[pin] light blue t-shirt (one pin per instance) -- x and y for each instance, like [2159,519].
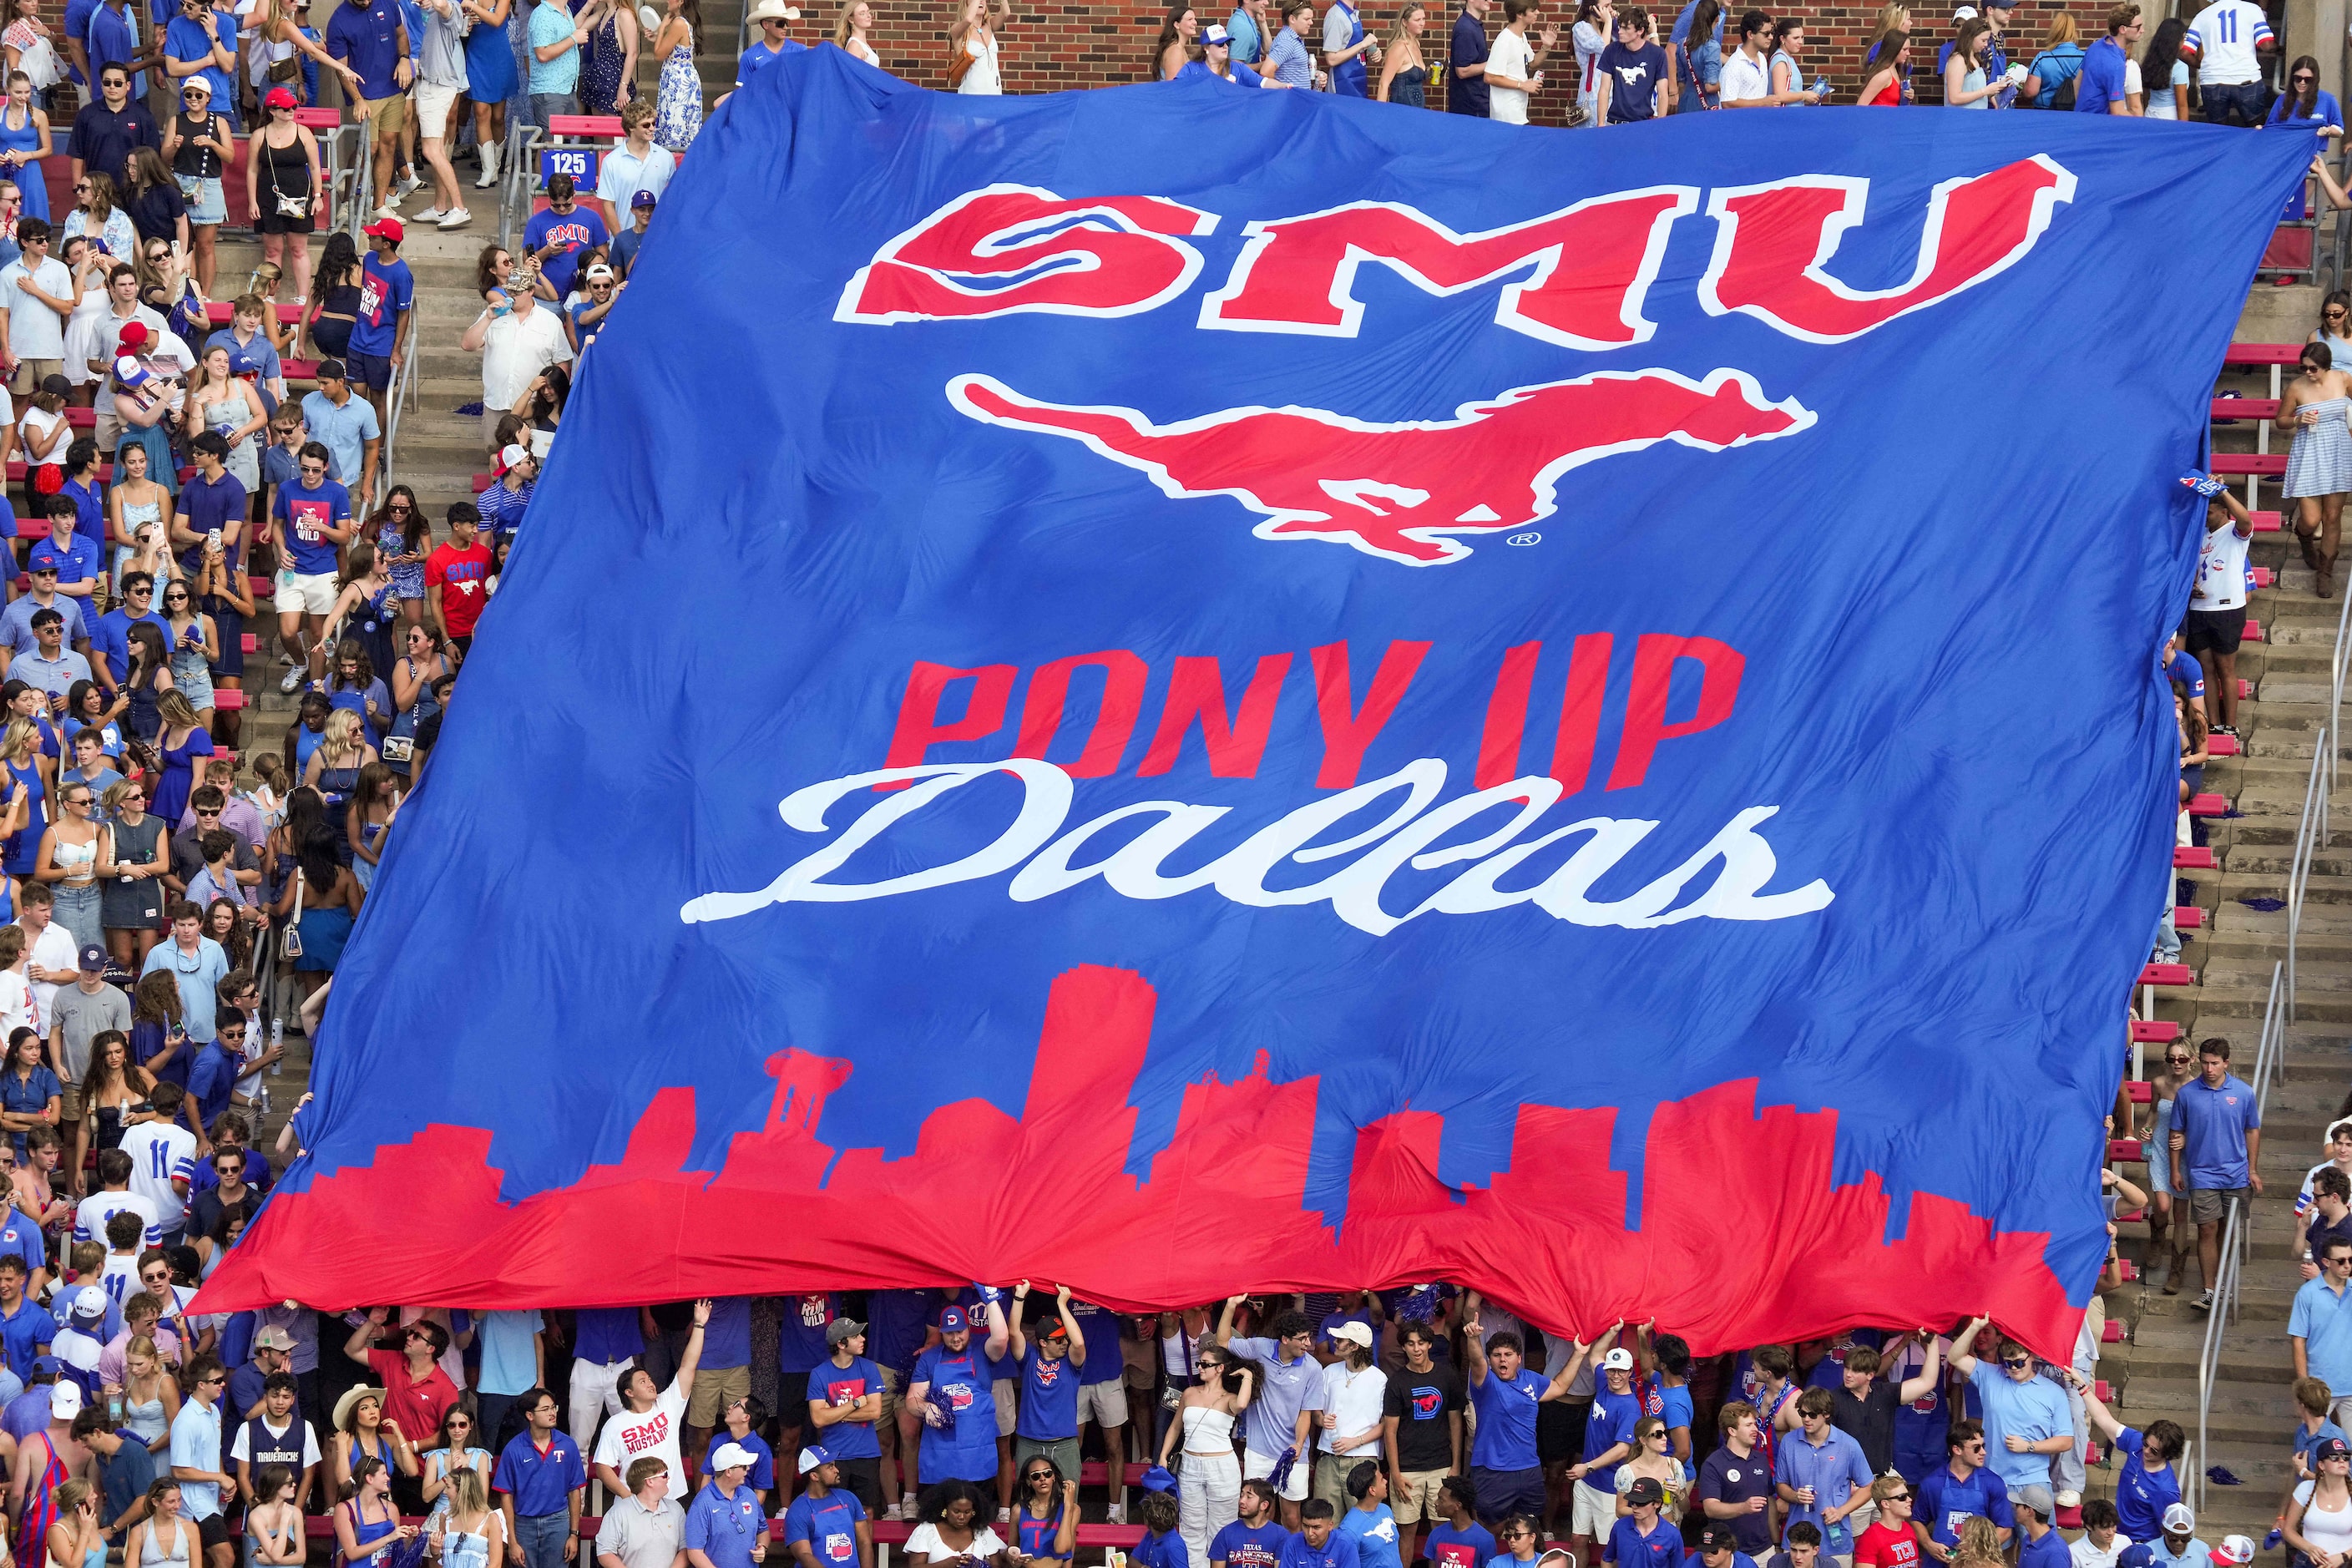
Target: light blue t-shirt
[1374,1534]
[2035,1410]
[196,1445]
[509,1366]
[198,979]
[549,24]
[344,432]
[1243,32]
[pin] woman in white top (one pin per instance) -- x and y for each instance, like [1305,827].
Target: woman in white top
[2161,63]
[974,35]
[2319,1519]
[1651,1459]
[1208,1496]
[850,30]
[952,1531]
[1596,24]
[1964,73]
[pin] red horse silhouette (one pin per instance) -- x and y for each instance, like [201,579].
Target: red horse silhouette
[1398,491]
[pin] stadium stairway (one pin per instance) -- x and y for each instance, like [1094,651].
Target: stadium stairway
[2156,1370]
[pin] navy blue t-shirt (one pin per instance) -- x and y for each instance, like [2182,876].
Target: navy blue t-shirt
[1506,1438]
[839,1386]
[800,1341]
[1468,95]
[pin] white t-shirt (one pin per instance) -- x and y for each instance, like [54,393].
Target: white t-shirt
[926,1541]
[160,1151]
[15,1002]
[35,331]
[53,949]
[39,422]
[1512,55]
[2131,91]
[2086,1555]
[92,1212]
[629,1437]
[519,347]
[1744,78]
[2223,37]
[2221,570]
[1354,1399]
[238,1450]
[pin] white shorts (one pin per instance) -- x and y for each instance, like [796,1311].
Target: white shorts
[1595,1517]
[434,102]
[298,593]
[1257,1467]
[1005,1407]
[1103,1404]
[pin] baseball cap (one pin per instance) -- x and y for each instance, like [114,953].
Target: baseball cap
[2236,1549]
[2038,1499]
[47,1366]
[645,199]
[810,1457]
[1354,1332]
[279,98]
[56,386]
[90,1305]
[1216,35]
[600,273]
[386,229]
[2333,1449]
[953,1321]
[273,1338]
[735,1457]
[1963,13]
[2136,1556]
[510,457]
[1619,1360]
[93,960]
[65,1401]
[1157,1480]
[196,84]
[128,371]
[332,370]
[1718,1538]
[134,336]
[2180,1518]
[835,1332]
[1646,1492]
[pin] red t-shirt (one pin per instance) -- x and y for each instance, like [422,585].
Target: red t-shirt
[463,577]
[418,1406]
[1888,1545]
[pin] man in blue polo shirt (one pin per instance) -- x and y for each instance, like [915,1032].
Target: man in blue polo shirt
[371,37]
[2319,1330]
[2217,1145]
[1642,1540]
[725,1518]
[773,18]
[212,501]
[16,620]
[2099,90]
[49,664]
[1281,1415]
[540,1481]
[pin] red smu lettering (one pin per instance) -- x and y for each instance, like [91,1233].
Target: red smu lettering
[1009,250]
[1236,744]
[919,726]
[1589,268]
[1773,243]
[1347,735]
[647,1438]
[1122,703]
[1646,708]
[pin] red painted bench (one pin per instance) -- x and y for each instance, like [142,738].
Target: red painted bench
[2222,745]
[2112,1333]
[2193,857]
[2266,464]
[2167,975]
[2154,1031]
[2209,805]
[2122,1151]
[2188,917]
[2229,408]
[2139,1091]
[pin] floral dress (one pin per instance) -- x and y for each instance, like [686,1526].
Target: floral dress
[677,108]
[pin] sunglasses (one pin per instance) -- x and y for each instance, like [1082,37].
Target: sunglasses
[2014,1362]
[1039,1476]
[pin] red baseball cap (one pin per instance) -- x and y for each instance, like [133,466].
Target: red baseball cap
[279,98]
[386,228]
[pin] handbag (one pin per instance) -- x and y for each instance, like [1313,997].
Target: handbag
[291,942]
[286,205]
[288,69]
[960,66]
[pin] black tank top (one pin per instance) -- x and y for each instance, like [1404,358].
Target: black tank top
[194,158]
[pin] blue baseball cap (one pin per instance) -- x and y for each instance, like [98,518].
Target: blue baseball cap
[93,960]
[812,1457]
[1213,35]
[953,1321]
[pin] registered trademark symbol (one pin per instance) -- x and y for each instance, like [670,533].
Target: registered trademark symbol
[1525,539]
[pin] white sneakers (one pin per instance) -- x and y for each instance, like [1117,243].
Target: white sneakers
[456,218]
[405,186]
[388,210]
[1116,1514]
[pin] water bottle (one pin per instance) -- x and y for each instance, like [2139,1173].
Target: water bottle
[277,1043]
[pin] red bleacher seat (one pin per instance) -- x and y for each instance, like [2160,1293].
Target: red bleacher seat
[2264,578]
[2167,975]
[2266,522]
[32,527]
[2244,408]
[82,418]
[2155,1031]
[261,587]
[2139,1091]
[2245,689]
[329,118]
[2220,745]
[2254,631]
[2070,1518]
[2126,1272]
[1095,1473]
[299,369]
[2129,1216]
[2267,464]
[220,312]
[228,697]
[2113,1332]
[2193,857]
[2124,1151]
[2188,917]
[577,125]
[483,482]
[250,643]
[2262,354]
[2105,1393]
[2209,805]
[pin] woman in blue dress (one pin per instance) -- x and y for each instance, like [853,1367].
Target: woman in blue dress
[490,79]
[367,1524]
[24,142]
[178,745]
[20,751]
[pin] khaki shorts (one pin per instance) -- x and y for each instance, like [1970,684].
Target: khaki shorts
[31,372]
[1006,1410]
[892,1387]
[69,1105]
[315,594]
[1418,1496]
[433,103]
[714,1391]
[387,115]
[1103,1404]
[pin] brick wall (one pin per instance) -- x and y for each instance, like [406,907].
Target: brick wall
[1076,45]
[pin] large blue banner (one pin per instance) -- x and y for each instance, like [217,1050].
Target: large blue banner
[1178,687]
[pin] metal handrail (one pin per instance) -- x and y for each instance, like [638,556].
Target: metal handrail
[2234,1232]
[404,392]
